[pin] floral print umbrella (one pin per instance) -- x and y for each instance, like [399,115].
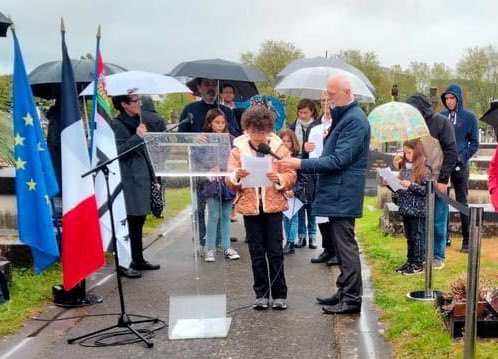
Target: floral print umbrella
[396,122]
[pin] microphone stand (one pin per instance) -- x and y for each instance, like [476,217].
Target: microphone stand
[124,320]
[174,127]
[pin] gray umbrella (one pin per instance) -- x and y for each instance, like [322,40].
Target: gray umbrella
[320,61]
[217,69]
[45,79]
[5,22]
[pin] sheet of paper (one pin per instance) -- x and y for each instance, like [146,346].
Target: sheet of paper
[257,167]
[321,220]
[316,136]
[294,206]
[390,178]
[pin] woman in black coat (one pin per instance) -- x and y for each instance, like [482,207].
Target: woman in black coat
[137,176]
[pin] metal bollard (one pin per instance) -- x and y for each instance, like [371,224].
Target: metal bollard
[428,294]
[473,281]
[429,243]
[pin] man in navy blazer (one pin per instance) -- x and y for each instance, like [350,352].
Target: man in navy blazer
[341,171]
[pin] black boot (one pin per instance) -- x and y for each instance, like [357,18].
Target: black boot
[322,257]
[289,248]
[301,242]
[312,243]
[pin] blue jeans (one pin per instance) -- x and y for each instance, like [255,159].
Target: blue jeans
[309,228]
[218,216]
[441,211]
[290,228]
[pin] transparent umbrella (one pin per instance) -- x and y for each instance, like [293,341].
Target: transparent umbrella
[324,62]
[396,122]
[309,83]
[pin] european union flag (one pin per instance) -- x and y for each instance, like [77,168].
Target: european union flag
[35,178]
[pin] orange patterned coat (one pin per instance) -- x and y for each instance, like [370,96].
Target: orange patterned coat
[247,199]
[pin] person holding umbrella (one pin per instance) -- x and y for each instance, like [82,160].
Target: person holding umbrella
[193,115]
[137,176]
[440,129]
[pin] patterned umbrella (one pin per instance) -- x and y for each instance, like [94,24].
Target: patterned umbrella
[396,122]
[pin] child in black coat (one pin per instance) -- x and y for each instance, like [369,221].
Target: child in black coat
[411,201]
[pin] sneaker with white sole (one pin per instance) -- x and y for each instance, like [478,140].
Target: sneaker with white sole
[437,264]
[231,254]
[260,304]
[402,268]
[210,256]
[279,304]
[413,269]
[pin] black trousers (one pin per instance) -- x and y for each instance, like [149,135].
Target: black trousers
[460,183]
[414,229]
[135,227]
[264,237]
[327,238]
[348,282]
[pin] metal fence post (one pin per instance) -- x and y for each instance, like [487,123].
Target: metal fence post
[429,243]
[473,281]
[428,294]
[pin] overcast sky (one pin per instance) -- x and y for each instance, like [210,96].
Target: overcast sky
[156,35]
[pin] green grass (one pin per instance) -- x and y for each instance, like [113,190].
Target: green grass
[6,141]
[415,329]
[31,292]
[176,199]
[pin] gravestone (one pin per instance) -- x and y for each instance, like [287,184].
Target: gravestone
[11,248]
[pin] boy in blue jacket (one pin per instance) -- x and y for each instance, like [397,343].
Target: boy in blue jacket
[467,140]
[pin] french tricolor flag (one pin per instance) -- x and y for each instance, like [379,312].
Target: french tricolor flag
[81,238]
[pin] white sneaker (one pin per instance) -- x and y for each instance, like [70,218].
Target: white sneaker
[279,304]
[210,256]
[437,264]
[231,253]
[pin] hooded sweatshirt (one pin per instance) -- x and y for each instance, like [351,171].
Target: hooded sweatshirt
[466,128]
[441,129]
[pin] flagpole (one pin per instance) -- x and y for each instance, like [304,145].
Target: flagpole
[76,296]
[93,123]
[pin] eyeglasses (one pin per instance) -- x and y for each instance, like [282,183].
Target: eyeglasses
[135,100]
[257,132]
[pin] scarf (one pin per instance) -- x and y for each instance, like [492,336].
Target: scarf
[301,129]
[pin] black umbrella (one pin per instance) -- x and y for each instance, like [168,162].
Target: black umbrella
[244,90]
[491,116]
[218,69]
[5,22]
[45,79]
[320,61]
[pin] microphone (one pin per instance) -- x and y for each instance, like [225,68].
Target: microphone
[266,150]
[188,119]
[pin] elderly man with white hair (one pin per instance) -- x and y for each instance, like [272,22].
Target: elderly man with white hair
[341,169]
